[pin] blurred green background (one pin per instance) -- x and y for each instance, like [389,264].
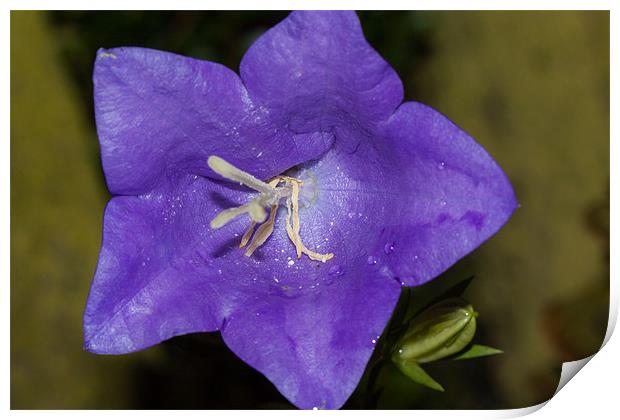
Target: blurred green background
[532,87]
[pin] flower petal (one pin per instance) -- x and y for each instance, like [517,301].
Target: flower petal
[159,114]
[453,195]
[145,290]
[315,70]
[314,347]
[415,196]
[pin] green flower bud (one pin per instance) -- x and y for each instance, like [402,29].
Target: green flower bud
[442,330]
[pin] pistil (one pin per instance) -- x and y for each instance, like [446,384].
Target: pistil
[270,196]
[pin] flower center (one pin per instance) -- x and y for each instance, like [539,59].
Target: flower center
[279,188]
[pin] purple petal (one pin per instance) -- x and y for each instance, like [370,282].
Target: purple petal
[314,347]
[160,113]
[452,195]
[315,70]
[144,290]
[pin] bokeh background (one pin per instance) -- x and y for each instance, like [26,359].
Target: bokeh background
[532,87]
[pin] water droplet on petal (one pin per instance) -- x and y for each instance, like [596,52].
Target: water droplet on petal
[407,281]
[336,270]
[371,260]
[291,263]
[442,166]
[442,203]
[388,248]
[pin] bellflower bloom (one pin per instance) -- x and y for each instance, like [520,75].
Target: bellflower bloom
[339,193]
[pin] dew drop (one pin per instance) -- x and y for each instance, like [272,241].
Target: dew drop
[388,248]
[442,166]
[336,270]
[407,281]
[371,260]
[291,263]
[442,203]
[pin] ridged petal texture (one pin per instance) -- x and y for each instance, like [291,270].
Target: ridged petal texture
[396,191]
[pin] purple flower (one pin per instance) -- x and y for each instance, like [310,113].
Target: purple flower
[362,195]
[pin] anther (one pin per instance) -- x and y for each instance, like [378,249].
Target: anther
[263,232]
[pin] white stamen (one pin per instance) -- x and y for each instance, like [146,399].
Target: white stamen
[270,196]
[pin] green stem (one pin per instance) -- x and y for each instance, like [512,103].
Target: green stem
[372,395]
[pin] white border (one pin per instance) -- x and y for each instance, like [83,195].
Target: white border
[593,392]
[304,4]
